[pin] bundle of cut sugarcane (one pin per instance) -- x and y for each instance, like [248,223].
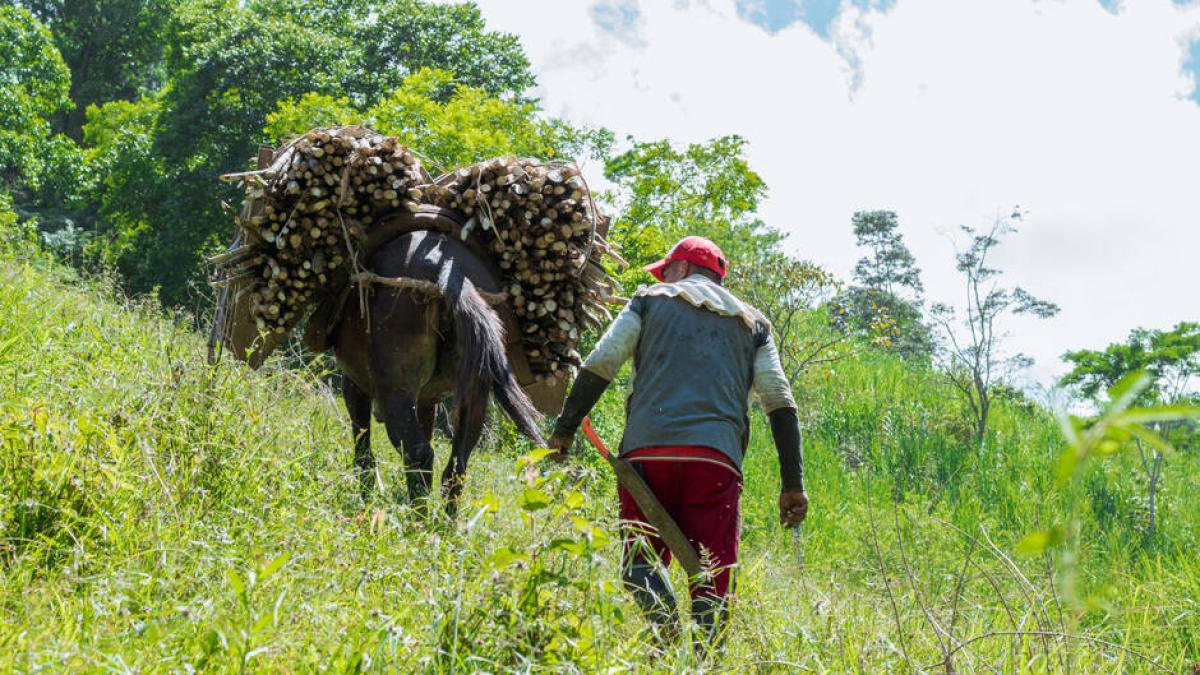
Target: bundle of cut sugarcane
[324,192]
[321,192]
[539,221]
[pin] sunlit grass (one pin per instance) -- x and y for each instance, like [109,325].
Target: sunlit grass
[160,514]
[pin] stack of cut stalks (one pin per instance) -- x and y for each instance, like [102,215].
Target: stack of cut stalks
[322,194]
[301,212]
[539,221]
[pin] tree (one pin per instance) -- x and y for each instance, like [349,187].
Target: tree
[1171,359]
[120,147]
[665,193]
[975,357]
[788,291]
[898,325]
[113,48]
[467,126]
[42,171]
[887,290]
[890,267]
[228,65]
[34,83]
[407,35]
[16,237]
[708,189]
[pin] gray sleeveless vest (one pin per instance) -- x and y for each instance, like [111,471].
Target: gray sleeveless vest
[693,370]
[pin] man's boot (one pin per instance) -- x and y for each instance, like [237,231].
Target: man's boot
[653,594]
[711,614]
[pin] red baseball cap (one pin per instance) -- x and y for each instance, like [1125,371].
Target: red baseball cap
[696,250]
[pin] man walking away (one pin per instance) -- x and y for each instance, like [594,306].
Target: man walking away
[698,353]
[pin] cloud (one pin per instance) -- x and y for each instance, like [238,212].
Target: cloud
[945,111]
[819,15]
[774,15]
[1191,66]
[618,18]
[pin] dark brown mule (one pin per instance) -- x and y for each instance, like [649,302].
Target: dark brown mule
[413,348]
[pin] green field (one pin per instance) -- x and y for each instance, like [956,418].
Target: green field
[159,514]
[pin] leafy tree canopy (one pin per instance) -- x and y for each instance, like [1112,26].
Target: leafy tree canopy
[466,126]
[228,65]
[34,84]
[665,193]
[707,189]
[113,48]
[898,323]
[1171,357]
[886,298]
[407,35]
[120,145]
[890,267]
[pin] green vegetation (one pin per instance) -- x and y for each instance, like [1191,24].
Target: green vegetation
[161,514]
[976,359]
[887,294]
[1170,359]
[34,85]
[167,96]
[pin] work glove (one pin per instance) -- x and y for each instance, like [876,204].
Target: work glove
[793,507]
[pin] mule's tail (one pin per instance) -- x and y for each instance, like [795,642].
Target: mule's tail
[484,364]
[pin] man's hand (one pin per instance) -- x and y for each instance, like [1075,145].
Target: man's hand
[793,507]
[561,444]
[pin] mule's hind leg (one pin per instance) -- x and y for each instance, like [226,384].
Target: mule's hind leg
[403,354]
[405,432]
[358,405]
[427,415]
[401,366]
[468,426]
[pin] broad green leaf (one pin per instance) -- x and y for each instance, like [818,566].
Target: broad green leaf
[1152,439]
[575,500]
[1122,394]
[273,566]
[1071,427]
[1165,413]
[235,581]
[600,538]
[505,556]
[538,455]
[490,502]
[533,499]
[1068,461]
[1036,542]
[571,546]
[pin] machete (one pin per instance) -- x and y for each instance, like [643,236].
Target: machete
[660,520]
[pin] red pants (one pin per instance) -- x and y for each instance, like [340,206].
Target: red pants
[703,497]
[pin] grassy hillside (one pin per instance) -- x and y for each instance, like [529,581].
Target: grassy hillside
[158,514]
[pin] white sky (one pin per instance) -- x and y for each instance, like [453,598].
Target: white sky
[962,109]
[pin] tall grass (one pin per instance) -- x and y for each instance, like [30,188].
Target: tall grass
[159,514]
